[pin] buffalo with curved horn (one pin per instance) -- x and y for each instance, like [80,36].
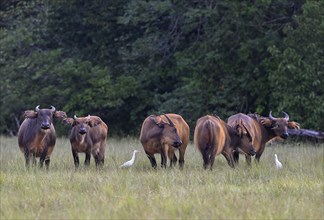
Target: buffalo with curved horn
[164,134]
[262,130]
[36,135]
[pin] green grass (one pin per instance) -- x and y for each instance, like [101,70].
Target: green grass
[259,192]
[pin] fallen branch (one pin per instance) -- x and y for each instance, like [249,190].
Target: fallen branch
[307,133]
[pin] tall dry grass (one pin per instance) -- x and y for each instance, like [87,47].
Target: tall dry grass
[259,192]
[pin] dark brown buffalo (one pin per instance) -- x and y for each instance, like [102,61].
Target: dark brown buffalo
[36,135]
[213,136]
[158,136]
[88,135]
[261,130]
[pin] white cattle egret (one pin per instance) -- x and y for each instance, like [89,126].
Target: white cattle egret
[278,164]
[131,161]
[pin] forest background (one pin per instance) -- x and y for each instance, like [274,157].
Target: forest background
[124,60]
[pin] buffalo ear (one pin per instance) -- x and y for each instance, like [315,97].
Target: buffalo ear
[293,125]
[239,130]
[68,121]
[30,114]
[60,114]
[94,121]
[157,120]
[266,121]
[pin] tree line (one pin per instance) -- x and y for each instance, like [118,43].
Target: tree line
[124,60]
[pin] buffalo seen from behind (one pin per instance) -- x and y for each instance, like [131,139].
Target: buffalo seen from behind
[36,135]
[212,136]
[88,135]
[163,135]
[261,130]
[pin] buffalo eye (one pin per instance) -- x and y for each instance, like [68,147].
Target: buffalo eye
[275,126]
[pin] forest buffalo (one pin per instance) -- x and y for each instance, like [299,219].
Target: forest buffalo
[88,135]
[261,130]
[183,132]
[213,136]
[160,136]
[36,135]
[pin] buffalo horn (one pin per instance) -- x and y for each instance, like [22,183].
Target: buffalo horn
[171,123]
[53,109]
[286,116]
[37,108]
[271,117]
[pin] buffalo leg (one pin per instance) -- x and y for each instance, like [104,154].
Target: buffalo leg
[75,158]
[33,158]
[181,158]
[98,156]
[99,162]
[27,156]
[248,159]
[96,161]
[87,158]
[42,157]
[236,156]
[152,160]
[212,159]
[206,157]
[101,154]
[101,158]
[257,158]
[229,157]
[164,156]
[47,163]
[259,153]
[163,160]
[173,158]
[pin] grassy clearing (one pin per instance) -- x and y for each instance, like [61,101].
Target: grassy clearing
[260,192]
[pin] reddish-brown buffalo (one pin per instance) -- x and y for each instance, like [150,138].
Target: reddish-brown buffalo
[261,130]
[213,136]
[183,132]
[88,135]
[159,136]
[36,135]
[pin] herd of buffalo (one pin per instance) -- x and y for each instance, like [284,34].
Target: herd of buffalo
[162,134]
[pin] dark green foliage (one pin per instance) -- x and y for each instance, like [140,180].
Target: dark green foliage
[123,60]
[297,78]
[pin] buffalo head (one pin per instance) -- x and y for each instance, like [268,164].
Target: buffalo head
[168,132]
[245,145]
[279,125]
[83,124]
[44,117]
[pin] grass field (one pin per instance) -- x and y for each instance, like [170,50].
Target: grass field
[259,192]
